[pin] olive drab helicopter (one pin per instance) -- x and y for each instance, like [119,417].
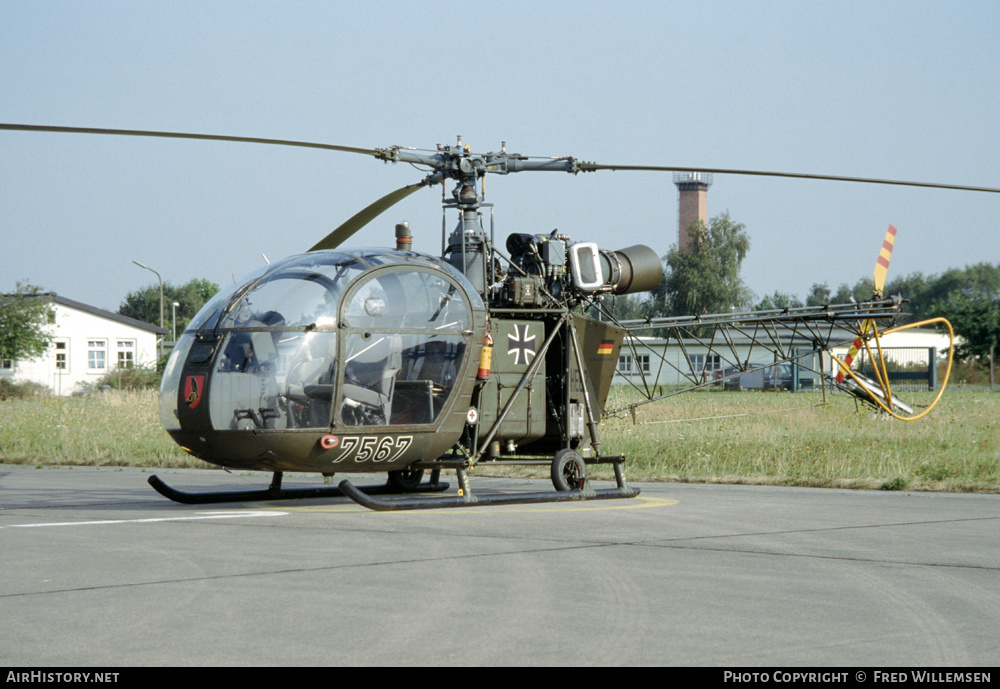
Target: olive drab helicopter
[398,362]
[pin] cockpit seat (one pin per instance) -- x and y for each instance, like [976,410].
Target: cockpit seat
[370,375]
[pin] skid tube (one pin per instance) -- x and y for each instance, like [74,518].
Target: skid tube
[276,492]
[466,498]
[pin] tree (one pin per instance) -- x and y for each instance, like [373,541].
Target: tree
[628,306]
[920,292]
[863,289]
[144,304]
[819,295]
[843,294]
[929,295]
[24,316]
[705,277]
[975,318]
[970,300]
[778,300]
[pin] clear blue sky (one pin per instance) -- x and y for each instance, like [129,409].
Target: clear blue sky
[907,90]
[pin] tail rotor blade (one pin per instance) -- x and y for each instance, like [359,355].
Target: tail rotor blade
[849,359]
[882,264]
[881,269]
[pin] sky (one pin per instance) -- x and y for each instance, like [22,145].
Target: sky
[897,90]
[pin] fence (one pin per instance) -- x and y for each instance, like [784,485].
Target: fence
[910,368]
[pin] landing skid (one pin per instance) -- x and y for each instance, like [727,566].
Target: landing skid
[276,492]
[466,498]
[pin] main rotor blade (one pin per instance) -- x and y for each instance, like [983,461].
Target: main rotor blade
[365,216]
[564,164]
[591,167]
[182,135]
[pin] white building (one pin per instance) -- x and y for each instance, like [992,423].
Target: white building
[87,343]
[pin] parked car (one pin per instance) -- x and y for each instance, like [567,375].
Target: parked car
[776,377]
[729,378]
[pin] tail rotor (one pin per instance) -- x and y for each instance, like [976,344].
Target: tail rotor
[878,393]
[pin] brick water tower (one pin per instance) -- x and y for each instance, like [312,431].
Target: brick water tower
[693,202]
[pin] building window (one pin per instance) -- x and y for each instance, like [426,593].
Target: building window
[126,353]
[6,364]
[62,361]
[631,366]
[97,351]
[705,363]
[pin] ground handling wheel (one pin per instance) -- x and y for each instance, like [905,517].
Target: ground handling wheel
[569,472]
[405,480]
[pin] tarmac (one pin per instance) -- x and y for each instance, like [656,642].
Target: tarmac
[98,570]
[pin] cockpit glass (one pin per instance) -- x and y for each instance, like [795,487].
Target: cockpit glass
[208,316]
[302,292]
[330,339]
[405,343]
[407,299]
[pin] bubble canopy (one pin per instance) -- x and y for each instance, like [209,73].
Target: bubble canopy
[325,339]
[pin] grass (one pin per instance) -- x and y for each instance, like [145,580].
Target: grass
[786,439]
[730,437]
[107,429]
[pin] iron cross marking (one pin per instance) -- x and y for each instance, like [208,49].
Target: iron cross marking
[521,345]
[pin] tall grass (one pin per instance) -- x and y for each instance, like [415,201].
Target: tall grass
[786,439]
[735,437]
[107,429]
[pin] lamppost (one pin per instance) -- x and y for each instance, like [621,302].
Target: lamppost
[160,342]
[173,316]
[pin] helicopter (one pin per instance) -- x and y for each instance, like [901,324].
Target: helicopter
[394,361]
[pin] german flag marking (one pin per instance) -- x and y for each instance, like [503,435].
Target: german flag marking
[606,347]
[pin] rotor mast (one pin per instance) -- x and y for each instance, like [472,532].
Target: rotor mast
[468,247]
